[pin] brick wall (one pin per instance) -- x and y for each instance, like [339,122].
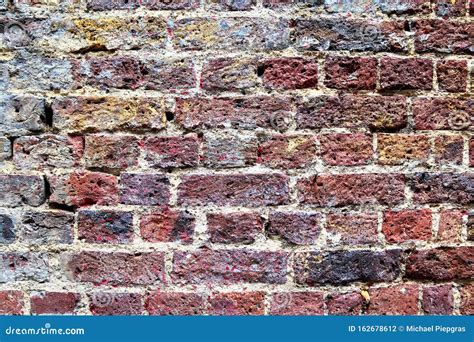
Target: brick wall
[236,157]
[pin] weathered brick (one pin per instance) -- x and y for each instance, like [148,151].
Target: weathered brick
[47,151]
[300,228]
[234,190]
[20,266]
[349,34]
[289,73]
[395,300]
[111,152]
[351,229]
[452,75]
[287,151]
[405,6]
[53,303]
[144,189]
[105,5]
[5,148]
[12,302]
[471,151]
[84,188]
[443,36]
[43,227]
[236,227]
[115,304]
[406,225]
[226,74]
[174,303]
[470,227]
[346,149]
[342,267]
[228,149]
[19,190]
[467,300]
[348,304]
[233,5]
[167,225]
[442,187]
[443,113]
[124,72]
[171,152]
[230,34]
[396,149]
[98,113]
[229,266]
[351,189]
[406,73]
[237,303]
[448,149]
[355,73]
[371,112]
[297,303]
[105,226]
[441,263]
[446,8]
[386,6]
[450,225]
[438,299]
[238,112]
[7,229]
[115,268]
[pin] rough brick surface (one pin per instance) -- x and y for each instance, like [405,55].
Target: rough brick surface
[236,157]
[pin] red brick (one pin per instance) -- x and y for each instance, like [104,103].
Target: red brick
[470,226]
[171,152]
[144,189]
[467,299]
[443,113]
[289,73]
[438,299]
[452,75]
[47,151]
[299,228]
[355,73]
[441,263]
[12,302]
[226,150]
[347,304]
[443,36]
[174,303]
[287,151]
[226,74]
[18,190]
[442,187]
[406,225]
[111,151]
[450,225]
[236,227]
[376,113]
[54,303]
[116,268]
[351,229]
[471,152]
[346,149]
[229,266]
[297,303]
[84,188]
[395,300]
[115,304]
[105,226]
[251,190]
[448,149]
[356,189]
[237,303]
[167,225]
[237,112]
[396,149]
[447,8]
[406,73]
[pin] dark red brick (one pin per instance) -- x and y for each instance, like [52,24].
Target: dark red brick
[229,266]
[144,189]
[471,151]
[237,303]
[287,151]
[438,299]
[406,73]
[174,303]
[289,73]
[452,75]
[448,149]
[443,113]
[351,229]
[171,152]
[54,303]
[351,189]
[236,227]
[251,190]
[12,302]
[406,225]
[299,228]
[394,300]
[105,226]
[297,303]
[355,73]
[346,149]
[442,187]
[115,304]
[167,225]
[347,304]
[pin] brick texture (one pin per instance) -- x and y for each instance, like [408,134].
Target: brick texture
[237,157]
